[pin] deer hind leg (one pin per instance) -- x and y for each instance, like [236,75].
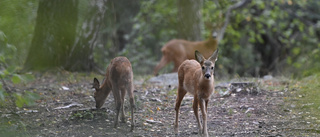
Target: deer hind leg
[132,104]
[203,107]
[116,94]
[177,62]
[123,94]
[195,106]
[180,95]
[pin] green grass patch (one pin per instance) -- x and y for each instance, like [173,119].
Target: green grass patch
[306,96]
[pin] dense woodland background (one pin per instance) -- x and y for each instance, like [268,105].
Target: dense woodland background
[258,38]
[277,37]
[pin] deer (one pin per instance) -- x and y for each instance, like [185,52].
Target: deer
[119,80]
[179,50]
[196,77]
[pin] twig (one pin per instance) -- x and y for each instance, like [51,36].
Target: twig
[227,20]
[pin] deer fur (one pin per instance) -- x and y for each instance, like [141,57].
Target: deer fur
[119,80]
[196,77]
[178,50]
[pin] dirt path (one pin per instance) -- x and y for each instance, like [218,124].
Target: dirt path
[240,114]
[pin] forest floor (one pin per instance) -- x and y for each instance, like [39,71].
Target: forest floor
[66,108]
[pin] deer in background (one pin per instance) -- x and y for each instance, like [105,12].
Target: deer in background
[197,78]
[119,80]
[179,50]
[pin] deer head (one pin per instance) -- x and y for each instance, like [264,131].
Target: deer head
[207,65]
[98,95]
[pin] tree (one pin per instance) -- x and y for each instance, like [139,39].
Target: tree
[54,34]
[56,43]
[81,53]
[189,18]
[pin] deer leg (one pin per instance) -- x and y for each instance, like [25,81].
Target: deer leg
[203,108]
[196,111]
[164,61]
[207,105]
[131,97]
[180,95]
[116,94]
[176,67]
[123,117]
[177,62]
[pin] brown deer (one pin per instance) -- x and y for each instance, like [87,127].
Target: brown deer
[197,78]
[178,50]
[118,79]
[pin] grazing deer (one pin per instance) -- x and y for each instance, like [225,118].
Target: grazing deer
[197,78]
[118,79]
[178,50]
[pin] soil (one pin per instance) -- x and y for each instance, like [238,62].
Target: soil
[66,108]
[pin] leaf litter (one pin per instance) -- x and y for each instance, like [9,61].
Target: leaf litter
[66,108]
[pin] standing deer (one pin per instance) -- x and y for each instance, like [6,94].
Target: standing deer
[197,78]
[178,50]
[118,79]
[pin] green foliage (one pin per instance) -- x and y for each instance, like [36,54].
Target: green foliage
[13,127]
[28,98]
[87,115]
[8,72]
[269,37]
[17,21]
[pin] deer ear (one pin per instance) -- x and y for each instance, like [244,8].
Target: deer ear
[96,83]
[199,57]
[214,56]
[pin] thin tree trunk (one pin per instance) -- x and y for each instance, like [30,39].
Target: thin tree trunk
[81,54]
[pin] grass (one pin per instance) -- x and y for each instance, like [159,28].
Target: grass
[306,97]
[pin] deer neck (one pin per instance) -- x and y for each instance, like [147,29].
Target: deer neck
[106,88]
[211,42]
[205,87]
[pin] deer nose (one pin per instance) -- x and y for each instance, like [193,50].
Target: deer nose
[207,75]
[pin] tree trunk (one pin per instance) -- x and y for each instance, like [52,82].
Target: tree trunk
[54,34]
[81,55]
[189,17]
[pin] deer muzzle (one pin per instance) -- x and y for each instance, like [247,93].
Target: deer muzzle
[207,75]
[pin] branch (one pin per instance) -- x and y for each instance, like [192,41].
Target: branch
[238,5]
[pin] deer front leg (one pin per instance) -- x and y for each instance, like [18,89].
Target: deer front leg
[204,116]
[196,112]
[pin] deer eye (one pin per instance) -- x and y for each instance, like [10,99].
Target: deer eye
[212,68]
[202,67]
